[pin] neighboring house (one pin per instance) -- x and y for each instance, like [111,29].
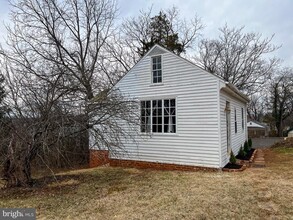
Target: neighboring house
[256,129]
[189,117]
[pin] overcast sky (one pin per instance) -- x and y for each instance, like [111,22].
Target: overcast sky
[264,16]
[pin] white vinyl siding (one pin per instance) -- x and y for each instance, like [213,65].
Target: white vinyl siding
[237,139]
[196,141]
[200,138]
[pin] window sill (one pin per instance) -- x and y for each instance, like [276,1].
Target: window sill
[156,84]
[159,134]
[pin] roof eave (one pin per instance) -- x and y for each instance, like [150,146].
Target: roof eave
[231,89]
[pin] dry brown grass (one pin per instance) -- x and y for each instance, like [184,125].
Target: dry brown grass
[116,193]
[286,143]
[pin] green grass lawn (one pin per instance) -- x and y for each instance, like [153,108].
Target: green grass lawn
[117,193]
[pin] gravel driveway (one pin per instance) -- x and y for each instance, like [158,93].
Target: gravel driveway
[265,142]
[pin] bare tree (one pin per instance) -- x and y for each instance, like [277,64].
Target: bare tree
[139,34]
[281,102]
[71,34]
[33,119]
[54,71]
[240,58]
[257,107]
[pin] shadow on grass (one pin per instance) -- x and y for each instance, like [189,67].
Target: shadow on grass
[109,179]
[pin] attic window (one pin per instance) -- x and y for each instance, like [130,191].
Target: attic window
[157,69]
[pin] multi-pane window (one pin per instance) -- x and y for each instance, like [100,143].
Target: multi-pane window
[145,116]
[242,118]
[169,116]
[235,118]
[157,69]
[158,116]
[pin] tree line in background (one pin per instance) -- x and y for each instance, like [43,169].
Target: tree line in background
[62,59]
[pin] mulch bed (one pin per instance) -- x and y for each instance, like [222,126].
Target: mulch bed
[243,162]
[247,156]
[233,166]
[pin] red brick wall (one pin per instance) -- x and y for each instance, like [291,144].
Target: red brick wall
[101,157]
[157,166]
[98,158]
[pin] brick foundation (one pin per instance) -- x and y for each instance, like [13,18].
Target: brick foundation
[156,166]
[98,158]
[101,157]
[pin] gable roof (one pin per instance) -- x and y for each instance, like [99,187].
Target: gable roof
[149,53]
[252,124]
[157,49]
[230,88]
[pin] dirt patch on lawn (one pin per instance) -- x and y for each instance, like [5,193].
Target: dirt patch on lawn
[288,143]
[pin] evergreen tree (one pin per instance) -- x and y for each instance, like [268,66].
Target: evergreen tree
[241,152]
[249,143]
[161,32]
[232,158]
[246,147]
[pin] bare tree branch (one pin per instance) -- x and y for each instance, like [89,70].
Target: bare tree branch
[240,58]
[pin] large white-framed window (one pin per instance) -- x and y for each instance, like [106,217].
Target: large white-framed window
[157,69]
[158,116]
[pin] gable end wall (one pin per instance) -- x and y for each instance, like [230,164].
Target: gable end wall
[196,91]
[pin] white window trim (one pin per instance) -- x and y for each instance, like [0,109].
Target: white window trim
[176,120]
[162,71]
[151,129]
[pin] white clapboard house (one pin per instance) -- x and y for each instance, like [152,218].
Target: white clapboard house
[188,115]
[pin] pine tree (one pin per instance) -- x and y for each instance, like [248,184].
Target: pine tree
[232,158]
[246,147]
[161,32]
[241,152]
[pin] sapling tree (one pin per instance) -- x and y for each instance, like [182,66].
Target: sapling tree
[246,147]
[241,152]
[249,143]
[232,158]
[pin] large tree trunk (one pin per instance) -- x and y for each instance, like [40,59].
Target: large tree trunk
[279,126]
[17,170]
